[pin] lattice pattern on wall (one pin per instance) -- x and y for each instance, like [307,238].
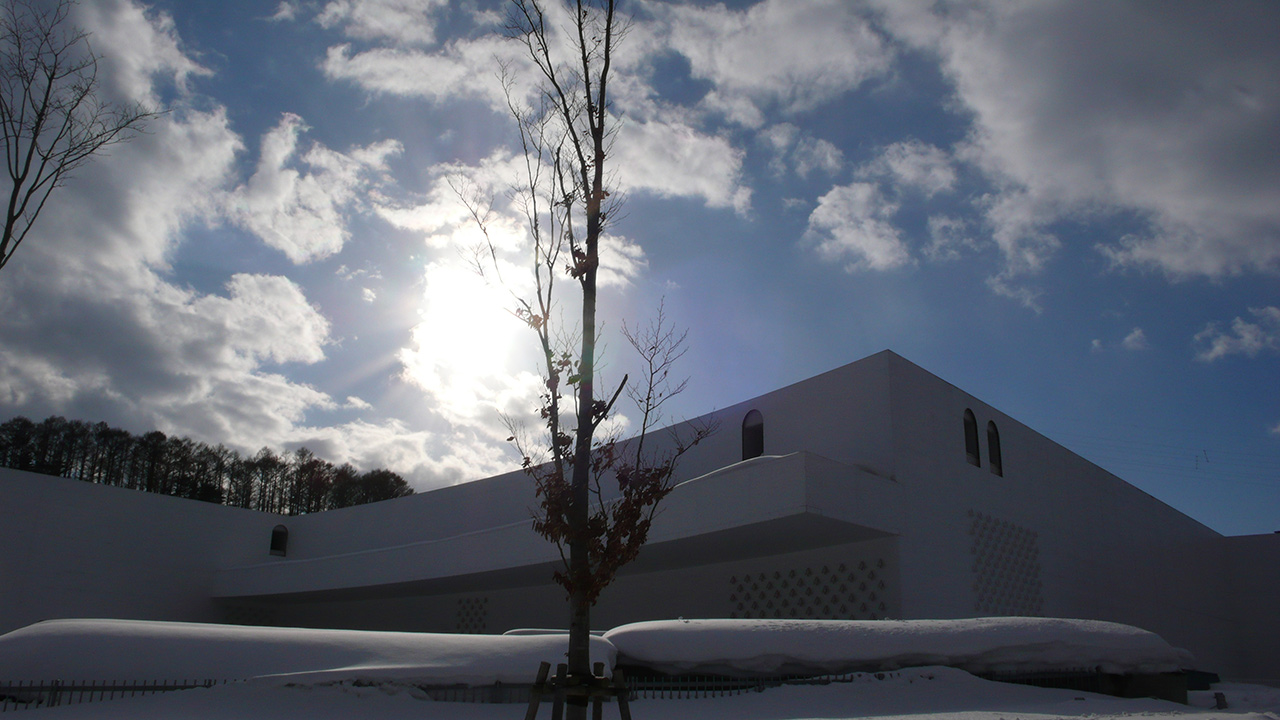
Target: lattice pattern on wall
[855,590]
[473,615]
[1006,567]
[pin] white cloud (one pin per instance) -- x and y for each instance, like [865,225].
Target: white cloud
[285,11]
[788,55]
[621,261]
[402,21]
[427,459]
[853,224]
[659,148]
[806,153]
[302,213]
[817,154]
[1135,340]
[1165,112]
[263,318]
[138,46]
[1243,337]
[914,164]
[948,238]
[669,158]
[461,69]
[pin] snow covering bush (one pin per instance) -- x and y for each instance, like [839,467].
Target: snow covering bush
[1007,644]
[75,650]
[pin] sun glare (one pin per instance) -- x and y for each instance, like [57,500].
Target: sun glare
[467,348]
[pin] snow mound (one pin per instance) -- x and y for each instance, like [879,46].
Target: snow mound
[87,650]
[979,645]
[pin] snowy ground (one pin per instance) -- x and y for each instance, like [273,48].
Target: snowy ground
[310,673]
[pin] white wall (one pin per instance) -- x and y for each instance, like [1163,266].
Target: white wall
[1102,548]
[75,549]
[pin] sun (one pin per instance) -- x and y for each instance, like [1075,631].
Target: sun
[468,346]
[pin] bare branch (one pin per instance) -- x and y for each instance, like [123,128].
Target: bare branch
[52,120]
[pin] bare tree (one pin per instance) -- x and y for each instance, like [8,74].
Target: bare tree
[565,195]
[51,115]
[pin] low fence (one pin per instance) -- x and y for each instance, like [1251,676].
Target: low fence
[1165,686]
[642,686]
[44,694]
[681,687]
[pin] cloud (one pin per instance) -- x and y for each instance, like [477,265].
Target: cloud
[1243,337]
[426,458]
[301,213]
[948,238]
[138,49]
[402,21]
[460,69]
[857,220]
[913,164]
[853,224]
[285,11]
[1164,112]
[621,261]
[659,150]
[1135,340]
[785,55]
[806,153]
[667,157]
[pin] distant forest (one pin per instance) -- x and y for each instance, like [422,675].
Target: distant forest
[290,484]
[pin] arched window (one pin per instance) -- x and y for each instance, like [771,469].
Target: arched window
[752,435]
[971,438]
[993,449]
[279,540]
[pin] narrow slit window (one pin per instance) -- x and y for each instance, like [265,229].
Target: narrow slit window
[971,439]
[279,540]
[993,449]
[752,435]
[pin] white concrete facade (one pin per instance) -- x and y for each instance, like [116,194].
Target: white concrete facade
[863,505]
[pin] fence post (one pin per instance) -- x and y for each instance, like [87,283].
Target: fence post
[557,706]
[624,694]
[535,693]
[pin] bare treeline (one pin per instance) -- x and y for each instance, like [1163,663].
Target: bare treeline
[290,484]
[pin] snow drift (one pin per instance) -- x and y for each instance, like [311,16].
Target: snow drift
[87,650]
[1006,644]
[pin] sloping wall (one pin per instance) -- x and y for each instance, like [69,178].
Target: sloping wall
[1055,535]
[75,549]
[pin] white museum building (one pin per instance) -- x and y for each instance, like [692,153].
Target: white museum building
[875,490]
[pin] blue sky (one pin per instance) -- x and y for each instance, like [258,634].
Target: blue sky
[1070,210]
